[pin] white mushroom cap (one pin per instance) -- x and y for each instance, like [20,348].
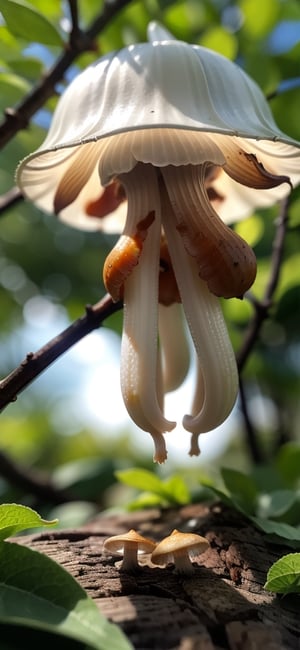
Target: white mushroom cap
[179,548]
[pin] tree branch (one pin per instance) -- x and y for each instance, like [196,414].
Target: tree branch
[18,118]
[34,363]
[75,29]
[33,482]
[262,307]
[254,448]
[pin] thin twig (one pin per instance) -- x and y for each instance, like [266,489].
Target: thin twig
[254,448]
[34,363]
[263,306]
[18,118]
[32,481]
[261,313]
[75,29]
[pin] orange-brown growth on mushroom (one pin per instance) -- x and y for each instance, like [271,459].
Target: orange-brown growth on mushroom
[225,261]
[124,257]
[109,201]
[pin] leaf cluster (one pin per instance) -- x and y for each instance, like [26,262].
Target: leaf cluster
[269,496]
[156,491]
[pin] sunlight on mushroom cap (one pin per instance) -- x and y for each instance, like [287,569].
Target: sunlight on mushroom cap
[179,548]
[101,105]
[116,543]
[130,545]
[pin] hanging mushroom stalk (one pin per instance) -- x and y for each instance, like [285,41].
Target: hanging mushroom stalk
[167,164]
[179,548]
[129,545]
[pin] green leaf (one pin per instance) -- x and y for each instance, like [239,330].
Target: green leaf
[288,463]
[225,498]
[276,504]
[36,592]
[241,487]
[277,528]
[172,490]
[12,89]
[284,575]
[15,518]
[141,479]
[177,490]
[25,21]
[146,500]
[26,66]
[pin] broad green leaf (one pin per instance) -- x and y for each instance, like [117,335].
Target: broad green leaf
[50,8]
[25,21]
[276,503]
[172,490]
[141,479]
[277,528]
[228,500]
[36,592]
[12,89]
[284,575]
[14,518]
[9,45]
[26,66]
[146,500]
[177,490]
[241,487]
[266,478]
[288,463]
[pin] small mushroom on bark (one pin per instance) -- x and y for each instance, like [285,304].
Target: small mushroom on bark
[129,545]
[179,548]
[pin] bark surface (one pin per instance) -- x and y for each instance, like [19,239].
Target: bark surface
[221,606]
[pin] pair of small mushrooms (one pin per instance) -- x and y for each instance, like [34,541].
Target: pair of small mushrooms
[177,547]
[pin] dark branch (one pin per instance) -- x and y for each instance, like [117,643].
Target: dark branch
[254,448]
[261,313]
[35,362]
[75,29]
[18,118]
[262,307]
[32,481]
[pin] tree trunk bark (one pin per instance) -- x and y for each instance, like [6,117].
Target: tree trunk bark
[221,606]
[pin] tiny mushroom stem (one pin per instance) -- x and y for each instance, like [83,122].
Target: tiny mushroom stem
[129,545]
[179,548]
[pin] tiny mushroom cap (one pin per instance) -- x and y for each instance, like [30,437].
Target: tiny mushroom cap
[179,548]
[129,545]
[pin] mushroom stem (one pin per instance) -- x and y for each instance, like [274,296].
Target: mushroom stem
[182,562]
[130,561]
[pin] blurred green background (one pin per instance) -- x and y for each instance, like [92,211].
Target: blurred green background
[70,423]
